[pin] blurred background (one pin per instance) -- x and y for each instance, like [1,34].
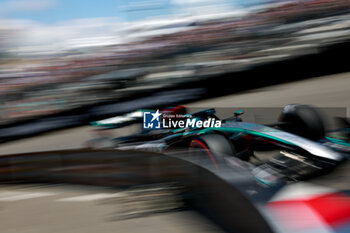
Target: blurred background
[60,55]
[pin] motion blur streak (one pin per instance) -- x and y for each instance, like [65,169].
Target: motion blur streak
[320,212]
[48,68]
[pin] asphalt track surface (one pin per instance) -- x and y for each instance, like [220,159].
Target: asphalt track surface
[84,209]
[38,209]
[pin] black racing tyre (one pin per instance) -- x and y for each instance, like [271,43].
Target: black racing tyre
[303,120]
[211,148]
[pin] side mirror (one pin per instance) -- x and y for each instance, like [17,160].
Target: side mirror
[238,113]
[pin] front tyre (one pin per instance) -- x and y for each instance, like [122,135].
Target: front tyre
[211,149]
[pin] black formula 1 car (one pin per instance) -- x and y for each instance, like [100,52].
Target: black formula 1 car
[295,148]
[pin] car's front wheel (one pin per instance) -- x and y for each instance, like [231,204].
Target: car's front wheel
[211,149]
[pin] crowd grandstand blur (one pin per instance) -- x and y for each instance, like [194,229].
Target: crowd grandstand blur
[153,54]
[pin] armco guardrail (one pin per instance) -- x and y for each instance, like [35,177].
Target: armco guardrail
[205,191]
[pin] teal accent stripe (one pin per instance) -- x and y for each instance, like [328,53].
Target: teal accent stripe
[233,130]
[338,141]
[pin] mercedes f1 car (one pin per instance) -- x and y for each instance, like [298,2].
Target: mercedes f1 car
[295,148]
